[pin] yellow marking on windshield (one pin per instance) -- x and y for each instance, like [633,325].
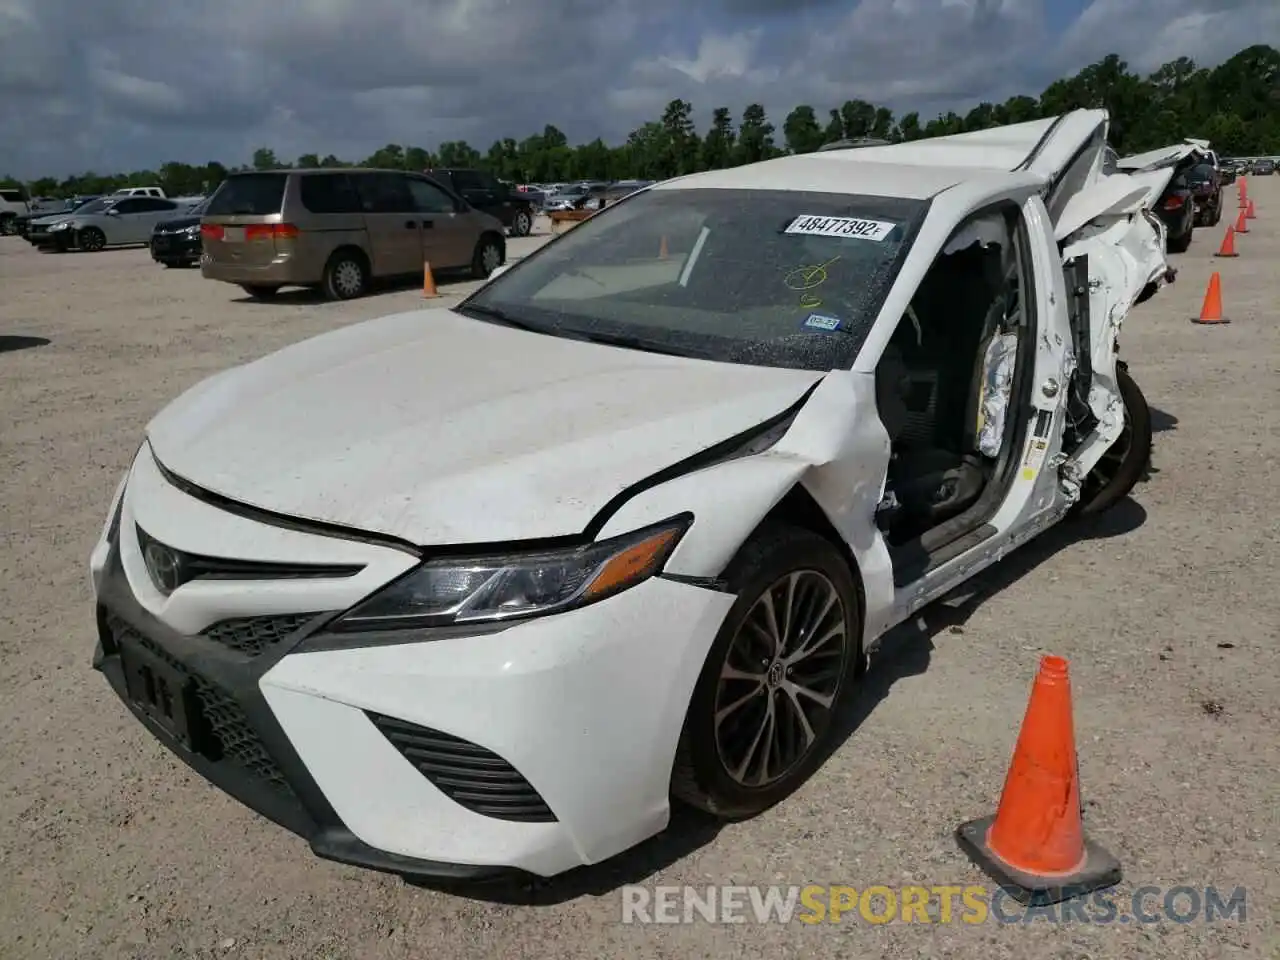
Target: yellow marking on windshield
[808,278]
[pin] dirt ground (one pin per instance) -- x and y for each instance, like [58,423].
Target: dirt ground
[1168,610]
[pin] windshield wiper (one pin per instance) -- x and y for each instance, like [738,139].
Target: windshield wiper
[499,316]
[607,339]
[632,343]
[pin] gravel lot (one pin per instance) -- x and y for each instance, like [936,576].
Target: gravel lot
[1168,610]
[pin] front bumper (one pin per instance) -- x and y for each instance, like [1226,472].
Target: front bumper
[175,246]
[572,718]
[43,237]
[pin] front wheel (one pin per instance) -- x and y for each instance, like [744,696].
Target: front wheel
[1123,465]
[8,225]
[92,239]
[1183,243]
[761,715]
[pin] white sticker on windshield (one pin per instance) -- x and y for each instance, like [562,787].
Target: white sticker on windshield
[855,227]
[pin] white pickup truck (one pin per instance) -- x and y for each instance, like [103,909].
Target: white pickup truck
[141,192]
[13,204]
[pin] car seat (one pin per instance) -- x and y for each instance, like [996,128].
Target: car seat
[928,401]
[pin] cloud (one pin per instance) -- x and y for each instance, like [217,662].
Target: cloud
[125,84]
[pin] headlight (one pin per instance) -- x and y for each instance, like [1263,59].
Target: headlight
[59,226]
[496,588]
[192,231]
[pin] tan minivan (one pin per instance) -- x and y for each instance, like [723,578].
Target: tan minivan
[339,229]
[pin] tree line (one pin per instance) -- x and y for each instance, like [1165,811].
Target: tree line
[1235,105]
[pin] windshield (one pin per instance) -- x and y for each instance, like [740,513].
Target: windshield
[196,209]
[97,206]
[771,278]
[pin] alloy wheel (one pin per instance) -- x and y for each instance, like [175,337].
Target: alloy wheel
[780,678]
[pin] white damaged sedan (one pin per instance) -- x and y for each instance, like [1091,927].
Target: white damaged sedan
[463,591]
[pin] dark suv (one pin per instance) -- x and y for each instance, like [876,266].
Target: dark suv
[1205,183]
[490,195]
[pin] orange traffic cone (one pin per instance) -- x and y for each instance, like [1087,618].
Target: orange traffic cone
[1035,846]
[428,282]
[1241,226]
[1211,310]
[1248,213]
[1228,248]
[1242,188]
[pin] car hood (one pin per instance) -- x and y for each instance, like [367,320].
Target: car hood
[435,429]
[178,223]
[47,218]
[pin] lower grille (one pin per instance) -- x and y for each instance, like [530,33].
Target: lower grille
[253,636]
[227,734]
[466,773]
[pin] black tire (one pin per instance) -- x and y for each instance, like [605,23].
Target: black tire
[346,276]
[702,776]
[1217,213]
[490,254]
[91,240]
[260,291]
[1182,243]
[8,225]
[1121,467]
[522,223]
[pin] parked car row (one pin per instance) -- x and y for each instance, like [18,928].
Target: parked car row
[585,194]
[117,220]
[1185,180]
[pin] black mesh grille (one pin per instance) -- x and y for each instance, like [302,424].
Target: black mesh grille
[467,774]
[253,636]
[227,733]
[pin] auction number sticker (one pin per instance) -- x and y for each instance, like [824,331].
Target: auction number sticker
[810,225]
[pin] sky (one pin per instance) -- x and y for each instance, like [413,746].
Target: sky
[109,85]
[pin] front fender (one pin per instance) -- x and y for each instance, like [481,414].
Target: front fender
[836,449]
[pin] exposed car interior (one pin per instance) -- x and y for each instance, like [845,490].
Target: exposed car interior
[945,381]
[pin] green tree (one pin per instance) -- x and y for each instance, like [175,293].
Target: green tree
[909,127]
[858,118]
[755,136]
[264,158]
[681,146]
[800,130]
[719,144]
